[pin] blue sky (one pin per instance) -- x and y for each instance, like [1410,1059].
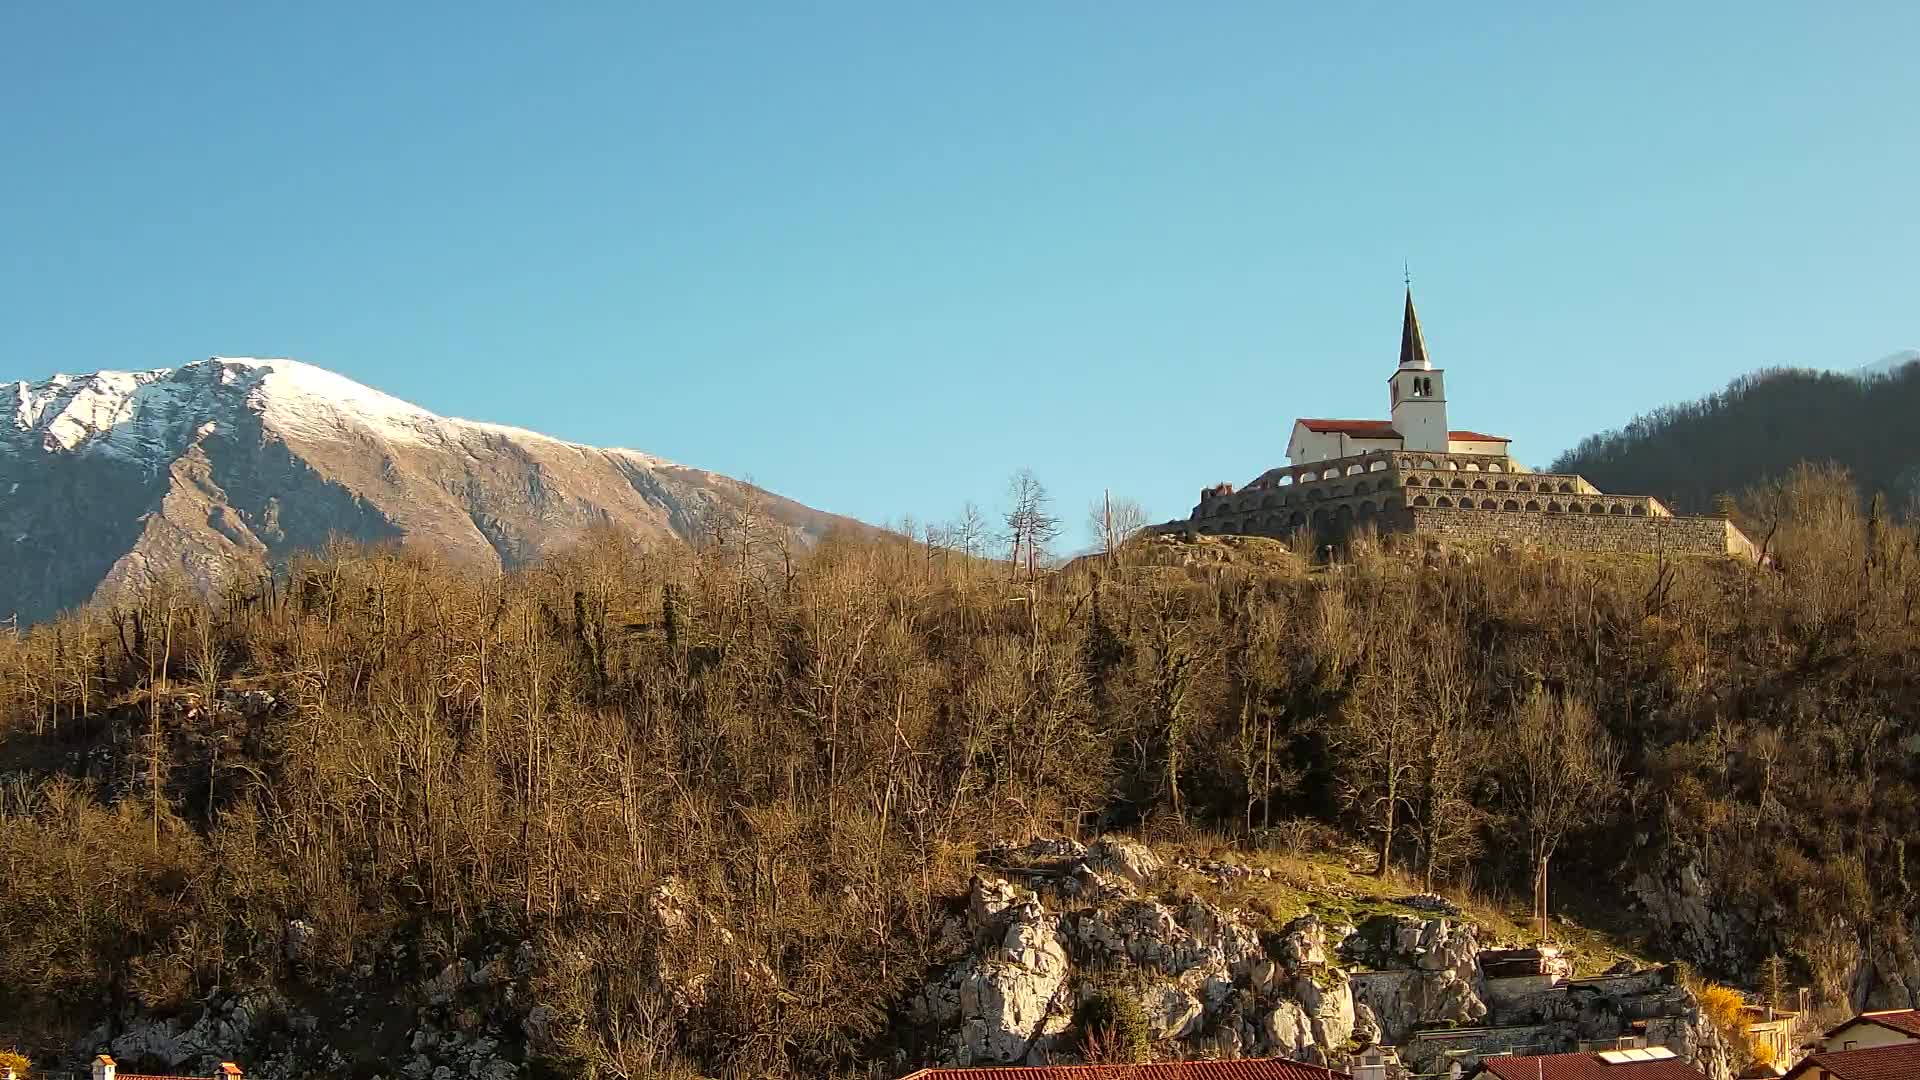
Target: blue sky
[877,256]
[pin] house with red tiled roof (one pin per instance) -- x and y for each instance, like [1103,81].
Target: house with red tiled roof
[1887,1027]
[1894,1061]
[1241,1069]
[1650,1063]
[105,1068]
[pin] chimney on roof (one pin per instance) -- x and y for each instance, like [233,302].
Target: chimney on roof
[103,1068]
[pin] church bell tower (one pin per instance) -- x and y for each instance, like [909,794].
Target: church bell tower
[1419,391]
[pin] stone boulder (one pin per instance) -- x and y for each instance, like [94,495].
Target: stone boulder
[1287,1031]
[1008,997]
[1123,859]
[1327,1001]
[1302,942]
[1172,1013]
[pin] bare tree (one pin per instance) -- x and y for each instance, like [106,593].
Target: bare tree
[1380,731]
[1031,523]
[1113,522]
[969,530]
[1567,773]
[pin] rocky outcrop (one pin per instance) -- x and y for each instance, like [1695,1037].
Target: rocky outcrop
[1005,1001]
[1424,971]
[1199,974]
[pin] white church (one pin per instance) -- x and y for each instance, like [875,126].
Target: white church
[1419,414]
[1414,474]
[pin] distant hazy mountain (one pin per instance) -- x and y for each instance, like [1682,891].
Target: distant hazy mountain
[1760,426]
[1890,364]
[111,478]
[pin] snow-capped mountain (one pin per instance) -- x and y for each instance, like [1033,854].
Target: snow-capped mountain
[1889,364]
[109,479]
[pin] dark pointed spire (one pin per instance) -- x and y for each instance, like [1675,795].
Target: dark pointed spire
[1413,350]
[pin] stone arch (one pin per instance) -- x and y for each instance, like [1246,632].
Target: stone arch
[1510,505]
[1479,485]
[1459,483]
[1501,485]
[1453,466]
[1356,469]
[1316,495]
[1413,481]
[1494,466]
[1337,493]
[1443,501]
[1359,487]
[1473,466]
[1554,508]
[1639,510]
[1421,500]
[1533,505]
[1616,508]
[1489,504]
[1575,508]
[1566,487]
[1378,466]
[1308,477]
[1522,485]
[1426,463]
[1597,508]
[1434,481]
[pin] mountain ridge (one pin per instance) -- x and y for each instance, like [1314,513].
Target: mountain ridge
[113,478]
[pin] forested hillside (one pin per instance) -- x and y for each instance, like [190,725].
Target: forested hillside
[382,765]
[1757,429]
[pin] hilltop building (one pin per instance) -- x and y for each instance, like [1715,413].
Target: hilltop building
[1415,473]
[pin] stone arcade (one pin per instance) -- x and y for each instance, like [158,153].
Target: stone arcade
[1415,474]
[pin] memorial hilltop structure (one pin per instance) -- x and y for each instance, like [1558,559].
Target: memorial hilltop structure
[1413,473]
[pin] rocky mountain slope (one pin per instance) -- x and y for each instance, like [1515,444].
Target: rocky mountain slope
[1056,946]
[1063,937]
[109,479]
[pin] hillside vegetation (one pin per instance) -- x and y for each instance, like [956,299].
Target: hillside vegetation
[1758,429]
[409,761]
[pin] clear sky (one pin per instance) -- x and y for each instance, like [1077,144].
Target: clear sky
[877,256]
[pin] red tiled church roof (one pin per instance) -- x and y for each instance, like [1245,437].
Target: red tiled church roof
[1586,1067]
[1244,1069]
[1900,1061]
[1382,429]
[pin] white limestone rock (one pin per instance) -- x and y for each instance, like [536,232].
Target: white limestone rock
[1129,860]
[1287,1031]
[1327,1001]
[1172,1013]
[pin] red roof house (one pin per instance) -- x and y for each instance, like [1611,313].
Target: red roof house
[1653,1063]
[1900,1061]
[1243,1069]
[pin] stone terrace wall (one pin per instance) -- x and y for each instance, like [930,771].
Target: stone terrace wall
[1581,532]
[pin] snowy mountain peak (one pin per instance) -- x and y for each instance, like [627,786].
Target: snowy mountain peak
[113,479]
[156,414]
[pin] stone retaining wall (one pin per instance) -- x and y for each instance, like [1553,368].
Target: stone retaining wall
[1581,532]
